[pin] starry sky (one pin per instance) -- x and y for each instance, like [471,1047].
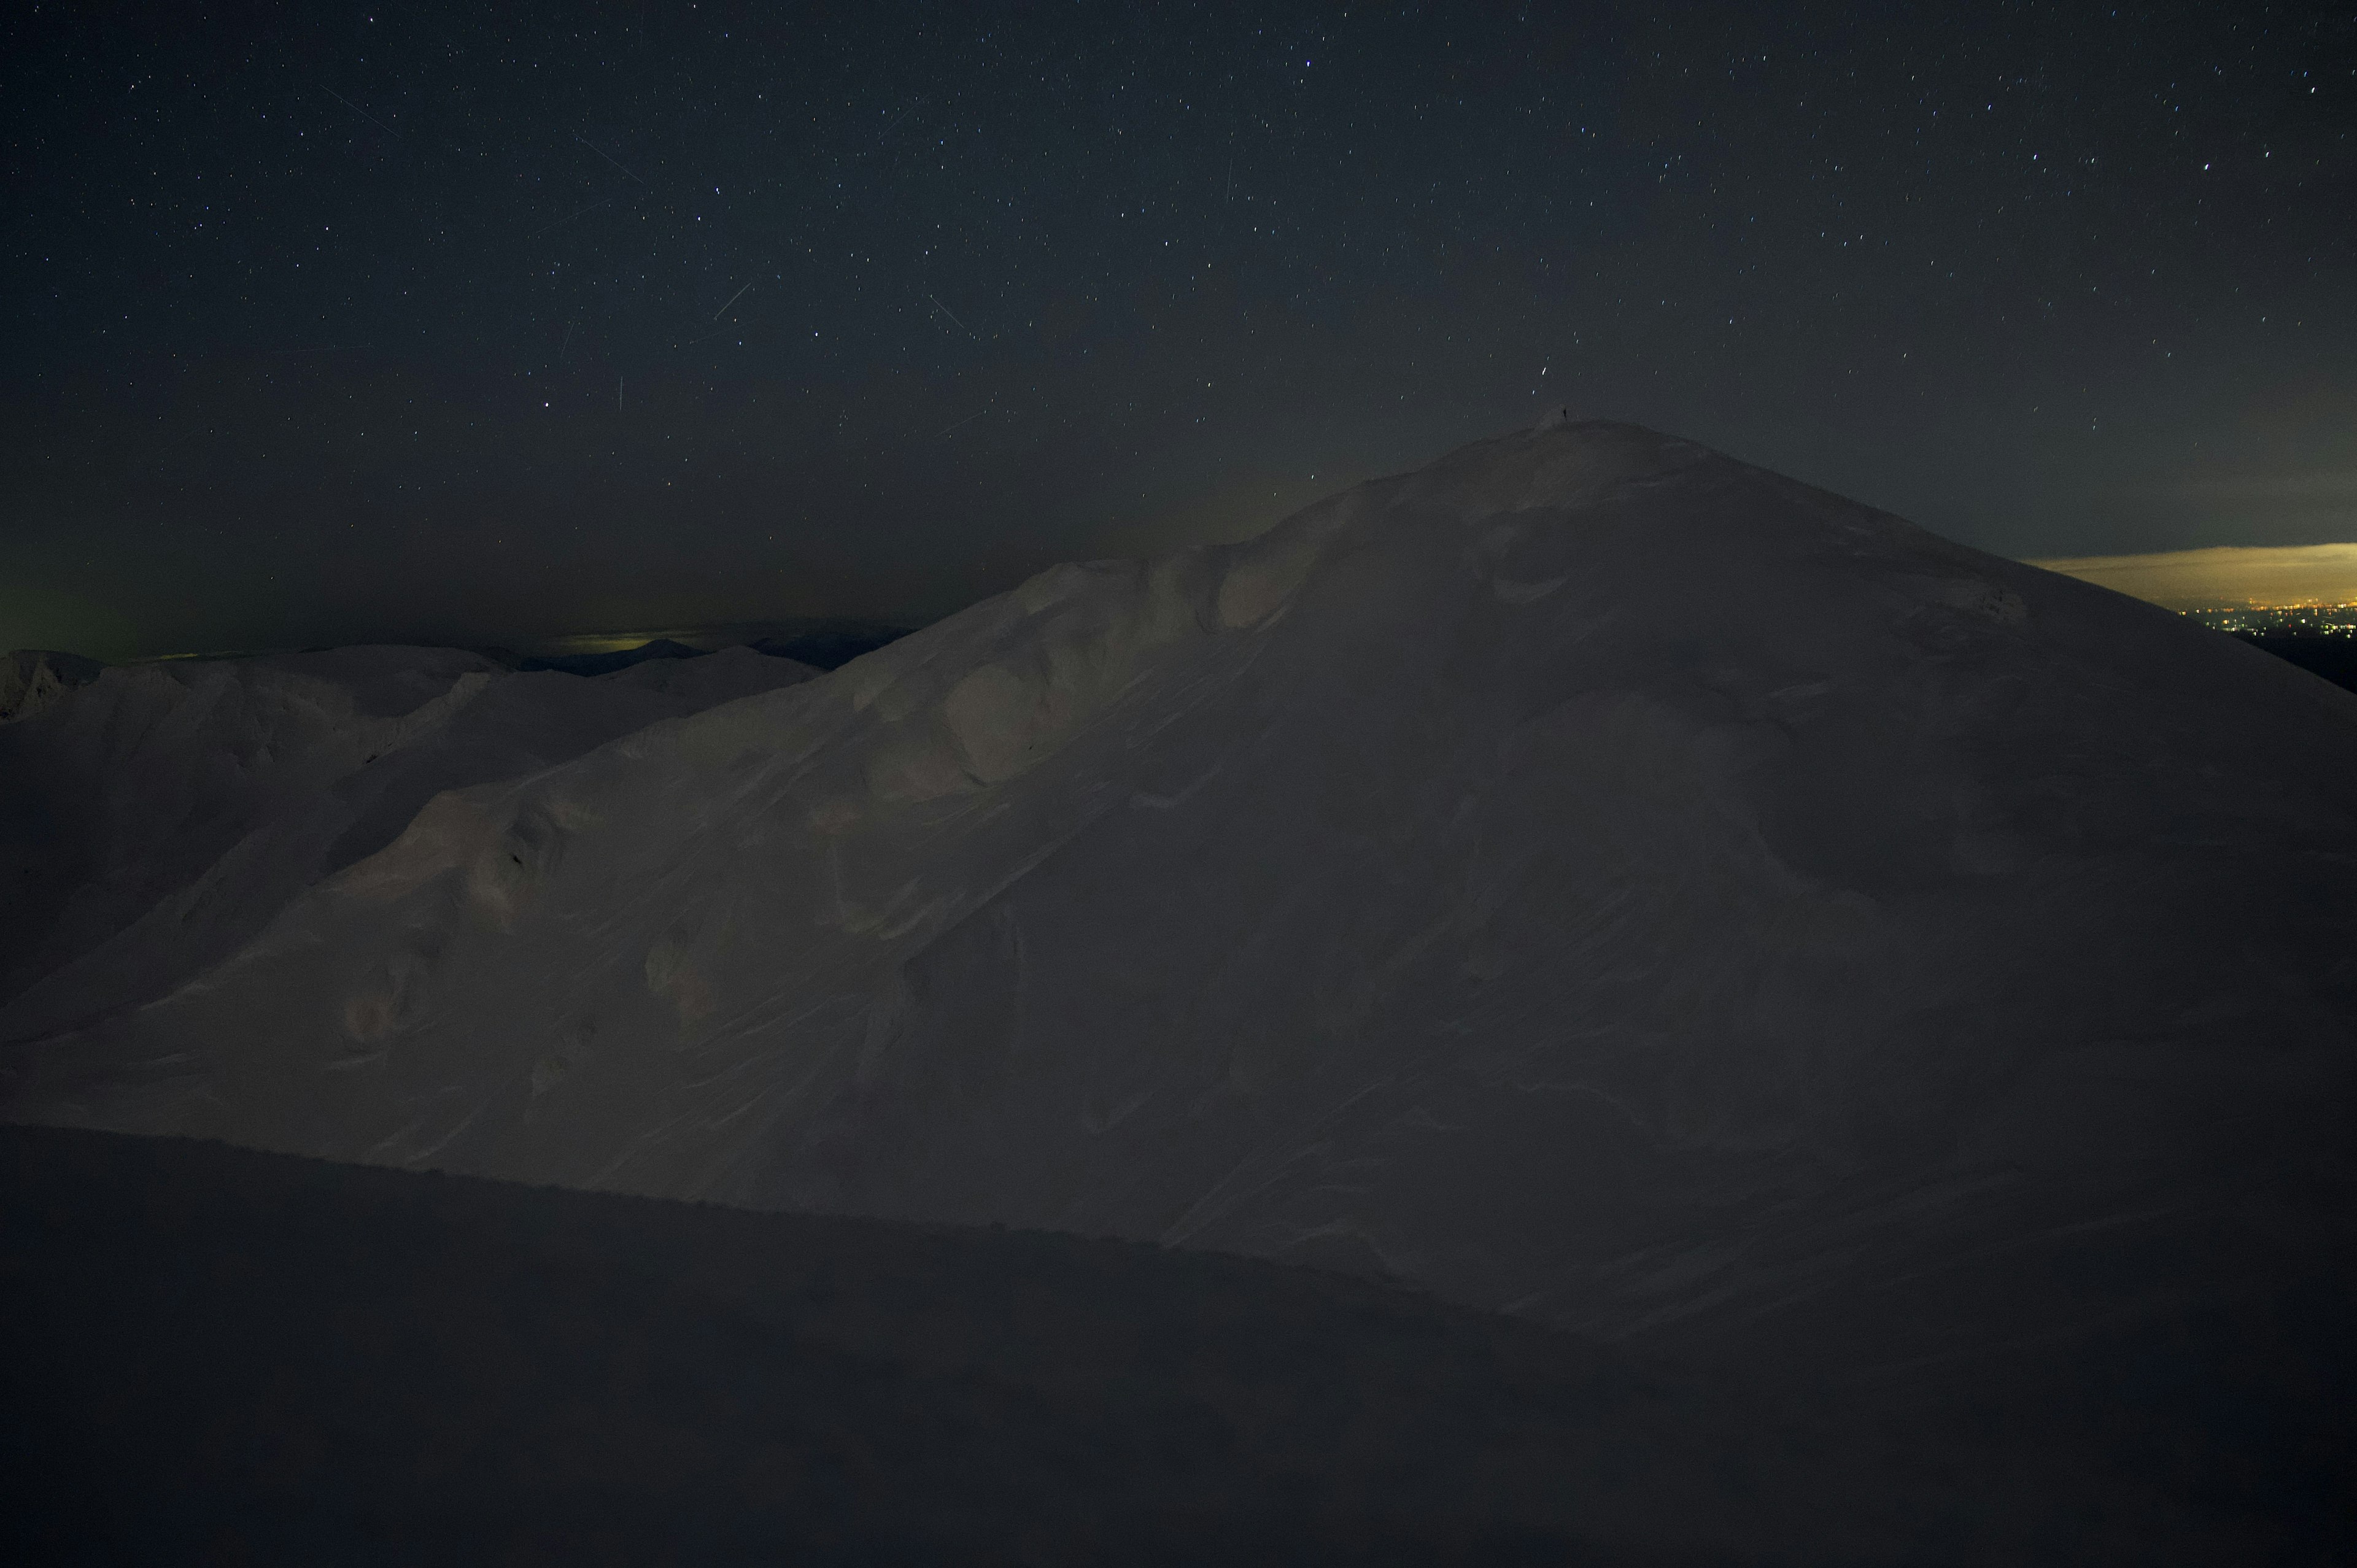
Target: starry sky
[477,323]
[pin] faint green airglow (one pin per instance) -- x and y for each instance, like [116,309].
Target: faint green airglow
[32,616]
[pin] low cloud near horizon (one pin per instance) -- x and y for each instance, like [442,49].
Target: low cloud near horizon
[2224,576]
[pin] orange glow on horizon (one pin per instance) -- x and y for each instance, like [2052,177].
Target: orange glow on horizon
[2304,577]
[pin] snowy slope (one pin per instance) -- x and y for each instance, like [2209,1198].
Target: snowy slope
[32,678]
[1587,876]
[156,821]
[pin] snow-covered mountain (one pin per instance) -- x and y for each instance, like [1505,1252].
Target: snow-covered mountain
[1585,876]
[159,819]
[31,679]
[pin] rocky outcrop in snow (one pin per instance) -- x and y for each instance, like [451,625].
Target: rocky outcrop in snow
[31,679]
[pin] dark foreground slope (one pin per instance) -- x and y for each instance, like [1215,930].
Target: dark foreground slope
[219,1356]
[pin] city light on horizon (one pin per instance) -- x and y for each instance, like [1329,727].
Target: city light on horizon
[2225,577]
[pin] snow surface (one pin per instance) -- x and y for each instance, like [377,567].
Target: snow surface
[158,819]
[32,678]
[1587,876]
[323,1363]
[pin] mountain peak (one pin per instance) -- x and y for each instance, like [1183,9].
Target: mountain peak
[1586,875]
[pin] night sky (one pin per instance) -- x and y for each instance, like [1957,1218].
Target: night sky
[484,323]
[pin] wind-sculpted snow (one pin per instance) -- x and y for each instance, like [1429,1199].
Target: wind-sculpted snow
[162,817]
[1585,876]
[33,679]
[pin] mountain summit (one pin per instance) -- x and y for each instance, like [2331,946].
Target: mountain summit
[1587,876]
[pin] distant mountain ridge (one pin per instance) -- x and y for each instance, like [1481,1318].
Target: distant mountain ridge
[2329,656]
[820,643]
[593,665]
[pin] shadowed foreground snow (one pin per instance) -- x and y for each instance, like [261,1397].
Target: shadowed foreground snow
[219,1356]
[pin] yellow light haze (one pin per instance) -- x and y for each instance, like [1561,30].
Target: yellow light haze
[2224,577]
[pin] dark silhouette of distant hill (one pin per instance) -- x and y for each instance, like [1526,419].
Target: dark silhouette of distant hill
[822,644]
[607,663]
[831,645]
[2333,658]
